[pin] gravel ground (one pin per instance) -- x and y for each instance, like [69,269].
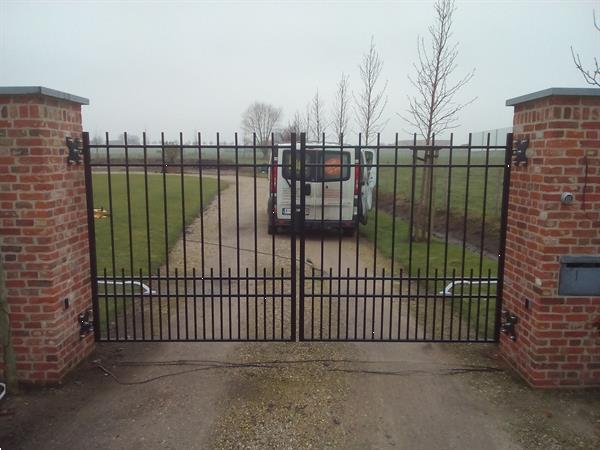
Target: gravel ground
[295,395]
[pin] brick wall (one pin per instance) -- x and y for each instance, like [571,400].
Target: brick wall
[558,337]
[43,235]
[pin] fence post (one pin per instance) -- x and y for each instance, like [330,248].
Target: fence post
[44,232]
[557,334]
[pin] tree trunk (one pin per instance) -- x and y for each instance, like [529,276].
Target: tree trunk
[422,225]
[10,362]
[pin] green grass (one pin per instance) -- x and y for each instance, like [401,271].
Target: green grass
[421,261]
[458,186]
[139,238]
[419,250]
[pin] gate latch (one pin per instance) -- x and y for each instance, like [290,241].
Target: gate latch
[86,323]
[508,323]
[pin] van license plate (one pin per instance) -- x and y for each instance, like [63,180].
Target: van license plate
[287,211]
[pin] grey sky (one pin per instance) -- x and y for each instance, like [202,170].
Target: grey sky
[186,66]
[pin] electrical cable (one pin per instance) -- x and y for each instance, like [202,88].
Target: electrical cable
[274,364]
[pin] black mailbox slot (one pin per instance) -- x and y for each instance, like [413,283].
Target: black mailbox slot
[579,275]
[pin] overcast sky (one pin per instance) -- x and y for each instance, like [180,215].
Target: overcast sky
[195,66]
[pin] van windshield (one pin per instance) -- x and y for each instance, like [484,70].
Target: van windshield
[327,166]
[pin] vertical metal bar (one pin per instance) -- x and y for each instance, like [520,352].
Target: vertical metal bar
[212,303]
[202,261]
[255,210]
[124,295]
[166,230]
[247,305]
[451,334]
[141,280]
[347,299]
[417,307]
[364,337]
[482,241]
[89,198]
[312,303]
[329,302]
[357,254]
[394,235]
[301,228]
[503,226]
[410,231]
[447,225]
[237,229]
[376,221]
[339,271]
[195,294]
[112,232]
[487,305]
[273,269]
[229,300]
[382,303]
[435,301]
[464,240]
[177,302]
[430,213]
[160,324]
[148,245]
[400,301]
[318,172]
[282,292]
[264,302]
[293,237]
[470,306]
[129,228]
[106,306]
[219,227]
[183,236]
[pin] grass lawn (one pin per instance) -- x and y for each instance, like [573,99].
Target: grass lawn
[477,312]
[458,184]
[138,257]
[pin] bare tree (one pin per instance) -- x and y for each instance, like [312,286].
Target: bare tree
[307,121]
[591,76]
[371,101]
[295,125]
[318,124]
[341,107]
[261,119]
[433,109]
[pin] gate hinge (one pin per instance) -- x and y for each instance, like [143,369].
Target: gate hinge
[508,324]
[86,323]
[74,156]
[520,154]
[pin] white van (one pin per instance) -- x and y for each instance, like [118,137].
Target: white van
[338,194]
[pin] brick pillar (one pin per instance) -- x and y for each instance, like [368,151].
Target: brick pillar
[43,231]
[557,336]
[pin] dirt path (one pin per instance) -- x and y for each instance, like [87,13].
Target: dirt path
[292,395]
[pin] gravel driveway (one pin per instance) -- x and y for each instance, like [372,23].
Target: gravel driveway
[290,395]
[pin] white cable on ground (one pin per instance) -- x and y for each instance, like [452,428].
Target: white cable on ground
[144,287]
[3,393]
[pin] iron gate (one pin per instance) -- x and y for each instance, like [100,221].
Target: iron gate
[228,241]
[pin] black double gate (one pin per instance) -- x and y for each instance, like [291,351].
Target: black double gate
[247,241]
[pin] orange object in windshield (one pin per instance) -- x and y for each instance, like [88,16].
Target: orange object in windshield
[333,167]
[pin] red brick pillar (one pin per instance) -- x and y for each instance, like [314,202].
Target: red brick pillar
[43,231]
[557,335]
